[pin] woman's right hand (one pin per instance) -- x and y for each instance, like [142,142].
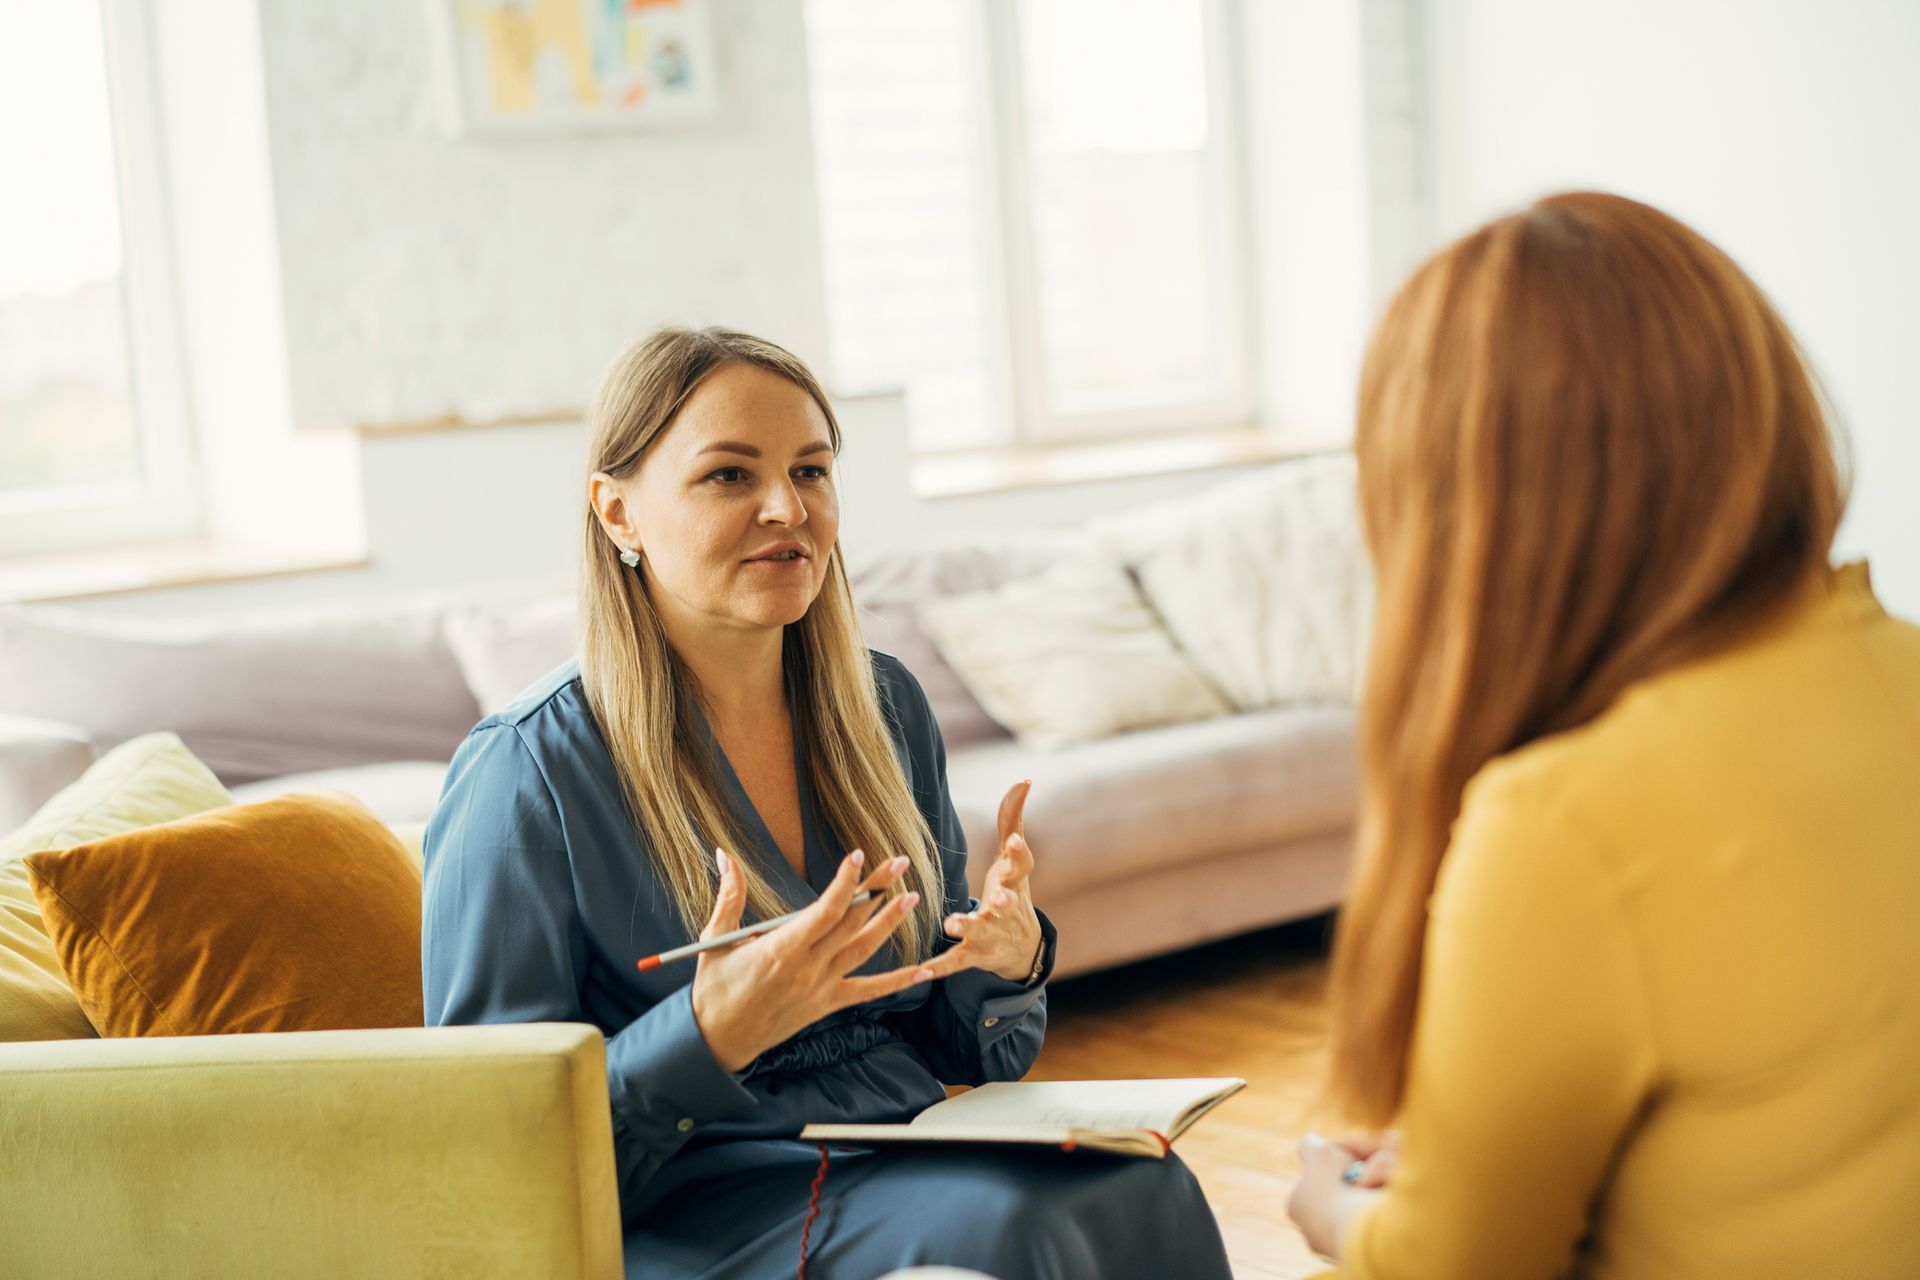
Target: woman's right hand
[1381,1151]
[749,997]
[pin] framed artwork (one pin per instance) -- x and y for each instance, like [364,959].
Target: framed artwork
[530,67]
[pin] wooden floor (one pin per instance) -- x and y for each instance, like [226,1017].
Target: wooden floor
[1252,1006]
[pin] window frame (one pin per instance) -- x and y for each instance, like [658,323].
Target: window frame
[163,502]
[1023,372]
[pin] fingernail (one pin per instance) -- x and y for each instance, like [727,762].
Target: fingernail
[908,901]
[923,975]
[1002,898]
[720,857]
[899,865]
[857,858]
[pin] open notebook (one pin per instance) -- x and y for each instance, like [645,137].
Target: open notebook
[1129,1117]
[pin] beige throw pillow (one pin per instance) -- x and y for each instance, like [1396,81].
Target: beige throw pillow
[1262,580]
[895,629]
[892,580]
[1071,655]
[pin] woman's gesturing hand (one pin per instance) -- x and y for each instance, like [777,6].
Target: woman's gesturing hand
[1003,935]
[750,996]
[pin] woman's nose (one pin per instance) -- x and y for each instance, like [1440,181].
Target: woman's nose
[782,505]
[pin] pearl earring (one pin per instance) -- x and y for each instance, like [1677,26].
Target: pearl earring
[629,557]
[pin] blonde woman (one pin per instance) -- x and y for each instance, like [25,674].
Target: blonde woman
[1630,953]
[726,747]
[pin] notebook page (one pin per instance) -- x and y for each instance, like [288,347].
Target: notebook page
[1110,1105]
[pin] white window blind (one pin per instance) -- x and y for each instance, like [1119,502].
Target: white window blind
[1029,215]
[903,151]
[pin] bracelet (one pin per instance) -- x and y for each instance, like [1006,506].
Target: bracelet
[1039,961]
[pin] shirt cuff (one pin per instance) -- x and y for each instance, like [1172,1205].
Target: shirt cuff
[993,1004]
[662,1078]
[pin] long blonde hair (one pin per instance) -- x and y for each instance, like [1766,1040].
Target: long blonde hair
[644,698]
[1588,450]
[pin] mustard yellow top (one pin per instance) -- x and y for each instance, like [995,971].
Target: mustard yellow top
[1670,1019]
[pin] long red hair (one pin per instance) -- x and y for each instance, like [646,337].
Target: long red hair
[1588,450]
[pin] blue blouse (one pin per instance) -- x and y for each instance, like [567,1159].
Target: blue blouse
[540,895]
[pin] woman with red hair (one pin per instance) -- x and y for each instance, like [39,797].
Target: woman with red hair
[1630,960]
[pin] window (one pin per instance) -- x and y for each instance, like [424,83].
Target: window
[92,429]
[1029,215]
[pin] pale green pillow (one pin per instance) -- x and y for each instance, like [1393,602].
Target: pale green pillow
[141,782]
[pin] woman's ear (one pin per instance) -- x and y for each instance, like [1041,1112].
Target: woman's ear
[610,505]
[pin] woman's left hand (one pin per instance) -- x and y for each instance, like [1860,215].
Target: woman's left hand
[1324,1203]
[1002,936]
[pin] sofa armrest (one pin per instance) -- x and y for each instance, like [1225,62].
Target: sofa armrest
[468,1151]
[37,758]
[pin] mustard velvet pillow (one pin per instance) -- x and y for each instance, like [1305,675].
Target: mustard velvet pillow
[300,913]
[145,780]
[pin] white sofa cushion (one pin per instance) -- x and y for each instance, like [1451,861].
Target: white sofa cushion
[891,584]
[504,646]
[952,563]
[1069,656]
[253,696]
[1262,580]
[398,793]
[37,758]
[1105,810]
[894,629]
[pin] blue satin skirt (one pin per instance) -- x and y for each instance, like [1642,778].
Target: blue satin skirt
[1018,1214]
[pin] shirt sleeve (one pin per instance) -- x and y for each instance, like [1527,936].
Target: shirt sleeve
[975,1026]
[502,941]
[1532,1053]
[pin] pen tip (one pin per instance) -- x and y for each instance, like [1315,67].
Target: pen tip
[651,962]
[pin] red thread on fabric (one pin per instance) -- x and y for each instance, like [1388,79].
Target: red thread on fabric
[813,1210]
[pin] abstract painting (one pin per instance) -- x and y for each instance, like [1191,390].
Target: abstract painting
[563,66]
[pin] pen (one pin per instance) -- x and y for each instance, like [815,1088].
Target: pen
[695,948]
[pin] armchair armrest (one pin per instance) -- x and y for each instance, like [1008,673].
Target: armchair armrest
[468,1151]
[37,758]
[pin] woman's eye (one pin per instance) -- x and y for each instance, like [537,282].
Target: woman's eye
[729,475]
[811,473]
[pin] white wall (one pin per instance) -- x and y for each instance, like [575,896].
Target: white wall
[1337,198]
[425,273]
[1783,130]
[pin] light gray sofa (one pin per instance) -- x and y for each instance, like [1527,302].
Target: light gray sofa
[1146,842]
